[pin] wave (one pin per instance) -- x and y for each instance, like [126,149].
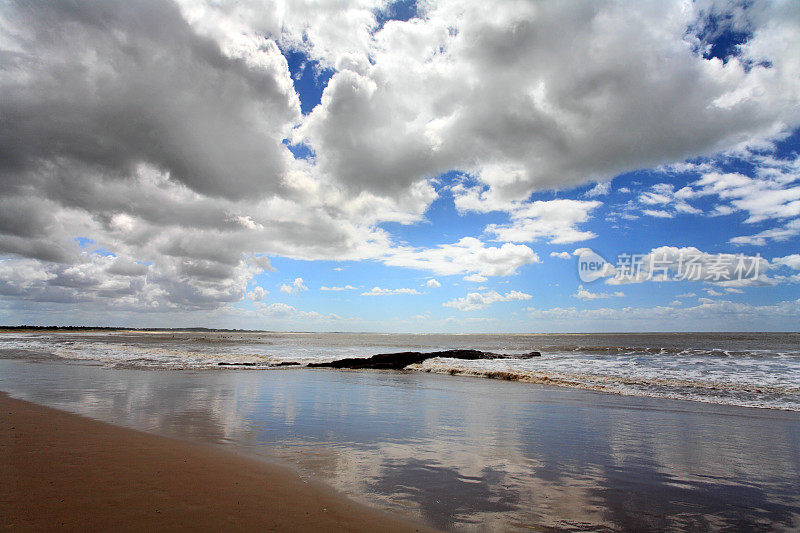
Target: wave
[727,393]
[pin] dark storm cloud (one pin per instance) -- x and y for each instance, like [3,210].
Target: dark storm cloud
[111,84]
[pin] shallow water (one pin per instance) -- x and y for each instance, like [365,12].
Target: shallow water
[463,452]
[746,369]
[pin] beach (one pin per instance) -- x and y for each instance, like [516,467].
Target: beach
[451,452]
[67,472]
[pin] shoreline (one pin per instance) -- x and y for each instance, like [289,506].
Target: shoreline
[60,469]
[449,452]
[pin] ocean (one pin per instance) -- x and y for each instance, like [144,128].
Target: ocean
[745,369]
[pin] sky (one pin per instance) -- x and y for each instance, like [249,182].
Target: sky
[429,166]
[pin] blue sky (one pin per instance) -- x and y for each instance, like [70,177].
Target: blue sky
[400,166]
[554,282]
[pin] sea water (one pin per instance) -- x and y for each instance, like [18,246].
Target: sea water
[744,369]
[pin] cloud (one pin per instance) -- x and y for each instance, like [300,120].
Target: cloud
[670,263]
[432,284]
[671,201]
[296,287]
[561,255]
[779,234]
[585,294]
[790,261]
[601,189]
[468,255]
[117,283]
[763,197]
[378,291]
[771,193]
[657,214]
[257,294]
[132,83]
[553,219]
[535,97]
[345,288]
[722,313]
[157,130]
[284,311]
[475,278]
[474,301]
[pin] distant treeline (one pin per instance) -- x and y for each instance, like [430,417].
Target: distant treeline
[108,328]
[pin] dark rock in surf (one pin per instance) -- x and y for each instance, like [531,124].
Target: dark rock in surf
[400,360]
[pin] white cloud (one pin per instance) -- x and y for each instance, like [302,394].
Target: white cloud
[601,189]
[665,194]
[657,214]
[670,263]
[561,255]
[771,193]
[257,294]
[555,220]
[468,255]
[585,294]
[432,284]
[541,113]
[723,314]
[791,261]
[474,301]
[475,278]
[378,291]
[296,287]
[284,311]
[344,288]
[779,234]
[763,197]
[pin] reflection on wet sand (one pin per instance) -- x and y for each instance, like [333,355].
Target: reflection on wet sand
[465,452]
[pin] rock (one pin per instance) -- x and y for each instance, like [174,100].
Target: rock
[400,360]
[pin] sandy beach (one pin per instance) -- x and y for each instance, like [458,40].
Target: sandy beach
[62,471]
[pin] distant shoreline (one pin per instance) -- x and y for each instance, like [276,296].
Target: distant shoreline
[267,331]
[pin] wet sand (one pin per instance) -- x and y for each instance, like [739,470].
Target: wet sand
[60,470]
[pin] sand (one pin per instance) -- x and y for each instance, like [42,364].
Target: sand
[59,470]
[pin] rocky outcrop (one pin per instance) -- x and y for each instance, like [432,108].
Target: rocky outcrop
[400,360]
